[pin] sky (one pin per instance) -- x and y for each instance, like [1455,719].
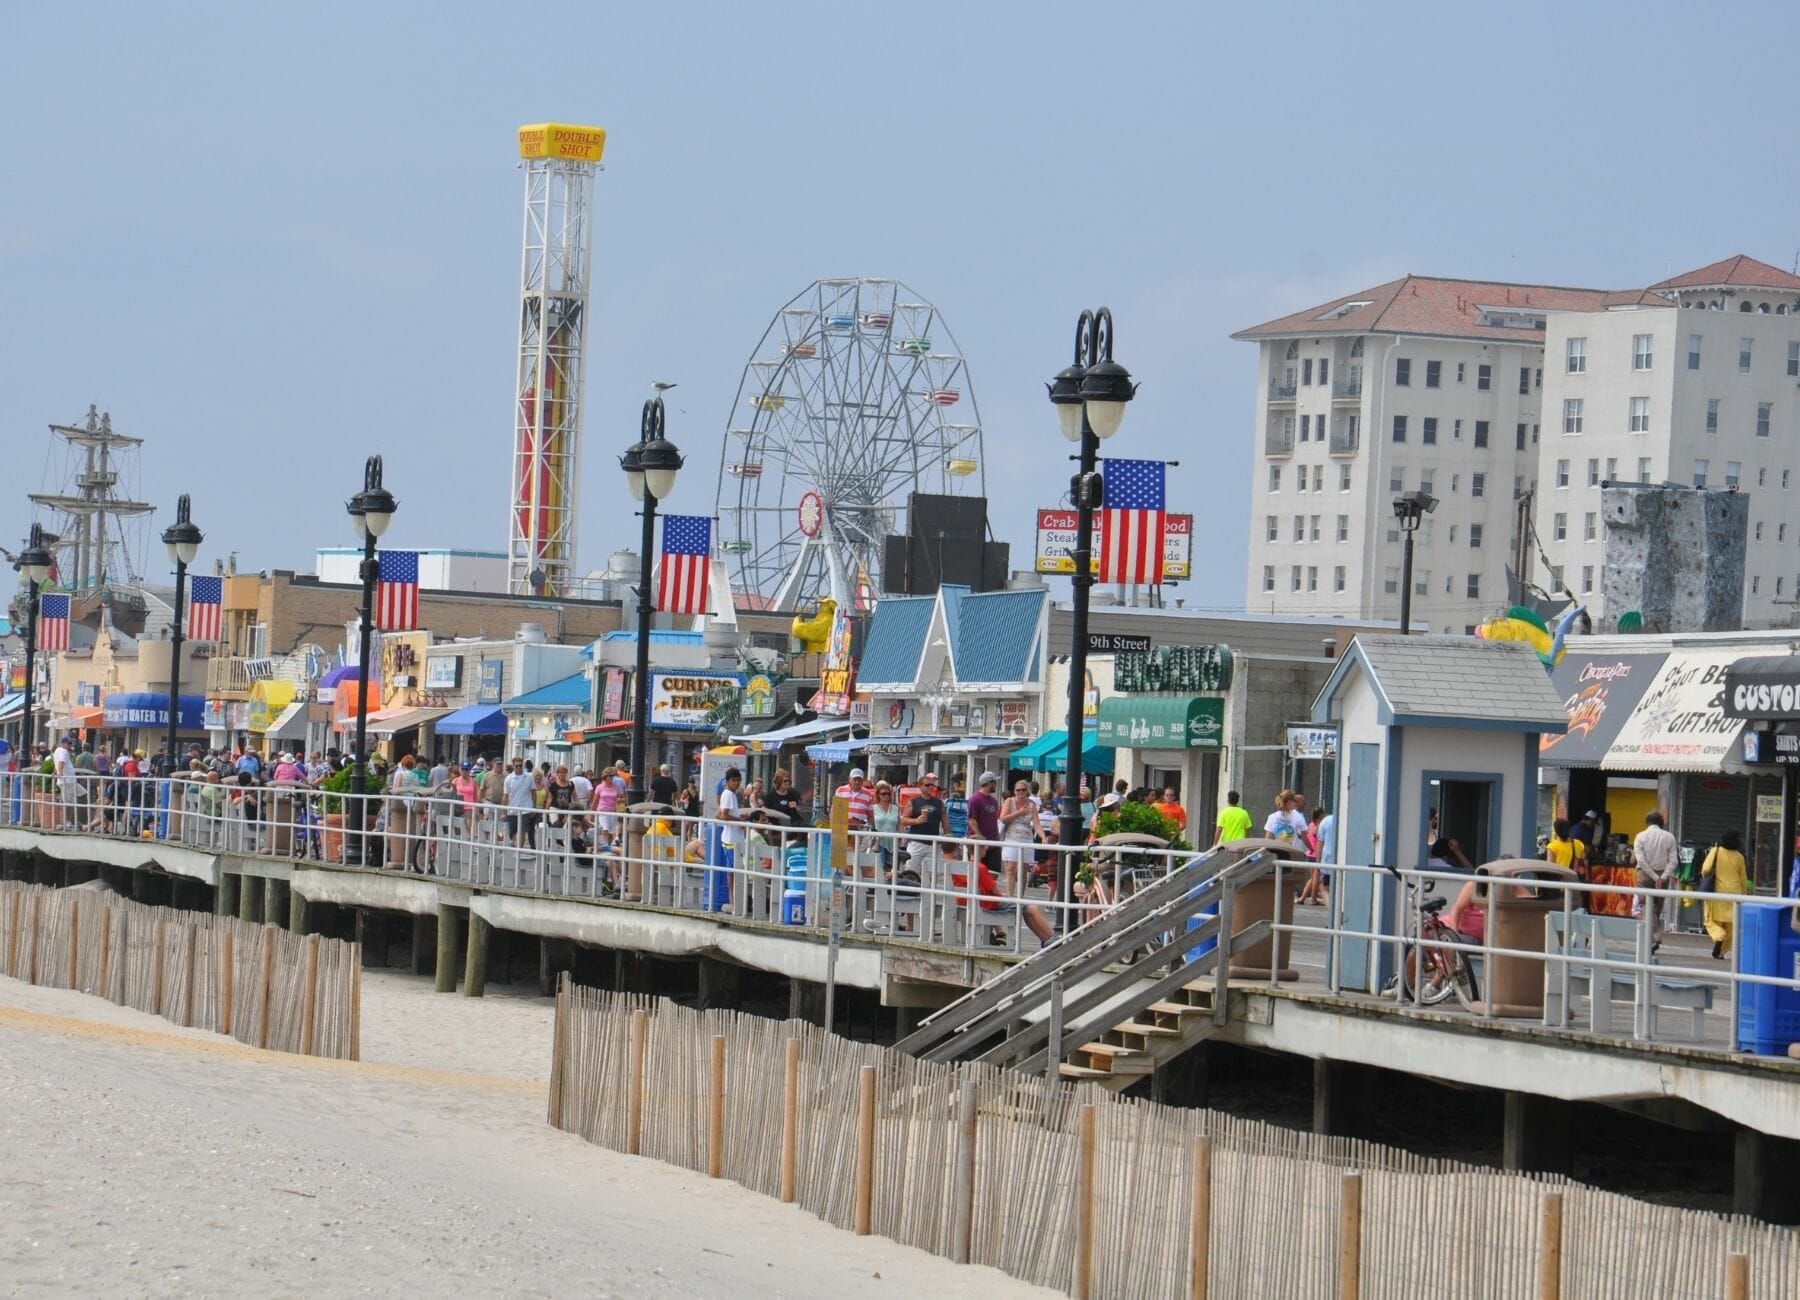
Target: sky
[272,240]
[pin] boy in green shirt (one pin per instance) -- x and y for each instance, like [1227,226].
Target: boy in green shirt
[1234,822]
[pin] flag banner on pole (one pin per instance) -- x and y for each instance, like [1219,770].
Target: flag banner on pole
[684,584]
[397,591]
[1131,522]
[206,608]
[53,623]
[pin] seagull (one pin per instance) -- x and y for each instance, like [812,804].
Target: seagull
[661,385]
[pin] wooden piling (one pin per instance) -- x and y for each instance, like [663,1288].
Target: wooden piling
[1349,1278]
[475,976]
[103,986]
[74,938]
[865,1150]
[559,1045]
[189,964]
[309,997]
[356,1002]
[1084,1204]
[1550,1226]
[264,987]
[634,1090]
[962,1207]
[156,968]
[227,978]
[790,1121]
[715,1111]
[448,924]
[1200,1228]
[1737,1277]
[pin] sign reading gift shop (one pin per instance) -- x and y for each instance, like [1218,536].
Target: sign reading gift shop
[688,701]
[1173,668]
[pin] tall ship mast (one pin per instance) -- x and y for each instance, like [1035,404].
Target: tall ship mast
[93,551]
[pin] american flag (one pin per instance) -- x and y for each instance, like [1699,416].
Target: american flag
[206,605]
[53,623]
[1131,522]
[683,587]
[397,592]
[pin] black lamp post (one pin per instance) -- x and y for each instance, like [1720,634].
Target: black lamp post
[1089,397]
[372,510]
[33,565]
[650,465]
[1409,508]
[183,539]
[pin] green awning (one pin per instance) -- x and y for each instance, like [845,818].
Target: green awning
[1050,753]
[1161,722]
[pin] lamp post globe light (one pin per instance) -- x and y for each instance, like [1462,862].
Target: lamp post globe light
[1089,396]
[33,565]
[371,510]
[650,464]
[1410,508]
[182,538]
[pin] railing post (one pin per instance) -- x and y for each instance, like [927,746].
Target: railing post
[790,1120]
[865,1151]
[1349,1276]
[1549,1270]
[634,1089]
[1222,955]
[1200,1228]
[1084,1204]
[715,1111]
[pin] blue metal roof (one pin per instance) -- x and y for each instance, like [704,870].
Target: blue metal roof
[996,634]
[657,638]
[566,693]
[896,639]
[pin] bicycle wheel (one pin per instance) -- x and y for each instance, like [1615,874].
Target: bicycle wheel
[1440,980]
[1462,973]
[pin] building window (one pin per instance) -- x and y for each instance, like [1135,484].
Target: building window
[1456,430]
[1763,412]
[1577,354]
[1425,487]
[1475,537]
[1402,372]
[1756,531]
[1589,522]
[1318,478]
[1305,428]
[1274,478]
[1343,528]
[1643,469]
[1422,583]
[1781,532]
[1474,587]
[1274,533]
[1459,372]
[1396,478]
[1562,473]
[1478,485]
[1640,415]
[1733,471]
[1519,438]
[1612,470]
[1337,578]
[1484,378]
[1524,381]
[1640,351]
[1779,582]
[1294,579]
[1312,577]
[1693,352]
[1744,355]
[1390,582]
[1399,428]
[1292,353]
[1572,415]
[1351,425]
[1299,528]
[1306,371]
[1481,433]
[1433,370]
[1559,527]
[1762,477]
[1315,528]
[1712,415]
[1356,346]
[1755,586]
[1343,478]
[1556,581]
[1587,577]
[1268,577]
[1700,467]
[1428,433]
[1593,473]
[1324,369]
[1784,478]
[1393,535]
[1794,359]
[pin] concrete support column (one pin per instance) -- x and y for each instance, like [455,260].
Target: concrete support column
[275,901]
[299,913]
[1539,1134]
[1343,1098]
[424,944]
[449,930]
[1763,1180]
[806,1001]
[226,901]
[475,974]
[250,899]
[547,969]
[721,985]
[371,933]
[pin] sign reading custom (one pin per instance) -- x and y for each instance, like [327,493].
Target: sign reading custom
[1170,722]
[1763,688]
[1056,544]
[687,701]
[1598,693]
[1174,668]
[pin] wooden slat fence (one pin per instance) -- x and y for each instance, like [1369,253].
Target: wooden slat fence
[1279,1201]
[286,993]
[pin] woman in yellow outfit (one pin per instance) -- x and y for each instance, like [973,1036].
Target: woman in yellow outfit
[1723,873]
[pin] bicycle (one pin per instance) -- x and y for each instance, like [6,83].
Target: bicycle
[1449,972]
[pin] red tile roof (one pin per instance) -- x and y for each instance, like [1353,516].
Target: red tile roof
[1429,305]
[1742,271]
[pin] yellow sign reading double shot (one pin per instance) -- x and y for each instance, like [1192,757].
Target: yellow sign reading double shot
[560,140]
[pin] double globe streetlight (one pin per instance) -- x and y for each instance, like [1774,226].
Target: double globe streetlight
[182,538]
[1089,397]
[371,510]
[33,565]
[650,464]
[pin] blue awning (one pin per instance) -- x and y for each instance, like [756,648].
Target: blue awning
[473,720]
[571,692]
[150,710]
[11,704]
[836,751]
[1050,753]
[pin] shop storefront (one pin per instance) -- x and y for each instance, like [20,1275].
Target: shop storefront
[1598,692]
[1166,719]
[142,718]
[1765,693]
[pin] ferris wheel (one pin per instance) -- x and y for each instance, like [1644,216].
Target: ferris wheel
[855,396]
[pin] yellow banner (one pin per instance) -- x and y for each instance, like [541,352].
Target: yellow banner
[560,140]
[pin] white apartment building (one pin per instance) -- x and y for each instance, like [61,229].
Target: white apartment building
[1442,385]
[1698,385]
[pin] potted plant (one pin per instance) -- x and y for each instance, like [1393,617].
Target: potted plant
[335,787]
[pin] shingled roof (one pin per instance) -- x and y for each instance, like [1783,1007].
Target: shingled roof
[1452,681]
[1741,272]
[1427,305]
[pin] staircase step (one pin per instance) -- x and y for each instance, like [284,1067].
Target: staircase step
[1110,1049]
[1147,1031]
[1070,1071]
[1176,1009]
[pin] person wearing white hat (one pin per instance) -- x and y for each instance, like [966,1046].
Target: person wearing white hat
[861,798]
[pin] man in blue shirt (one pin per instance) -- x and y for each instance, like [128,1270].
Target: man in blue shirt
[1328,838]
[956,808]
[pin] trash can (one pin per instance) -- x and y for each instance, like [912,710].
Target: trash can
[1514,986]
[1766,943]
[1261,900]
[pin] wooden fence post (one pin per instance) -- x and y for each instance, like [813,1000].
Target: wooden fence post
[189,960]
[37,930]
[156,969]
[14,906]
[790,1121]
[865,1150]
[264,986]
[559,1045]
[715,1111]
[309,997]
[1737,1277]
[227,978]
[1349,1283]
[103,986]
[123,961]
[1550,1227]
[355,959]
[962,1208]
[1200,1229]
[74,937]
[634,1091]
[1084,1204]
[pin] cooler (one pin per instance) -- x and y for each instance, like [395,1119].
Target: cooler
[1767,944]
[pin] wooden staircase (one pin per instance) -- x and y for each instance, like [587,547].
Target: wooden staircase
[1154,1036]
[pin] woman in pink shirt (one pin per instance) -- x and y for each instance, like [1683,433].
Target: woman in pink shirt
[606,802]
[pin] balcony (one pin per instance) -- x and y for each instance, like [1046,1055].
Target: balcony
[1344,442]
[1277,443]
[1282,392]
[1347,392]
[226,678]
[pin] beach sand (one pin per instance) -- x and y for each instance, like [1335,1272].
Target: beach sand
[137,1158]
